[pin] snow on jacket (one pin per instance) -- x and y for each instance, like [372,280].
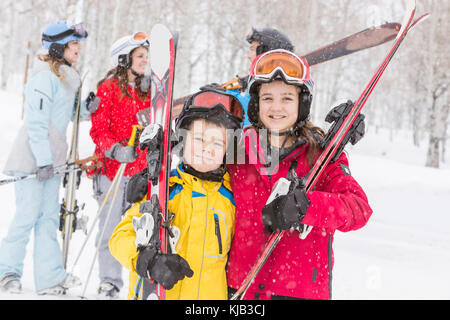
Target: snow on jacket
[199,206]
[113,122]
[49,106]
[296,268]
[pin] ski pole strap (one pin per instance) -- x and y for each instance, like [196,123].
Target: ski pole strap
[292,175]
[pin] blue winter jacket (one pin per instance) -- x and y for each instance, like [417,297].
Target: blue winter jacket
[49,106]
[244,98]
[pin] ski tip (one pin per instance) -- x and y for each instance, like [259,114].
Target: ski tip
[419,20]
[160,28]
[176,37]
[422,18]
[409,14]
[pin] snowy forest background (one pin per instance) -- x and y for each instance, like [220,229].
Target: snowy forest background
[402,163]
[413,94]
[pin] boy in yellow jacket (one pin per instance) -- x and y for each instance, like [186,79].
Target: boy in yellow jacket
[201,202]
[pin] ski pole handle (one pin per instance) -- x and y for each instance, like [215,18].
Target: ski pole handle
[134,138]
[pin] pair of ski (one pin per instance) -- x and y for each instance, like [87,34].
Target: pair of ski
[361,40]
[160,114]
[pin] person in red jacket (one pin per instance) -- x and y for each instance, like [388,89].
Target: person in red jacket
[122,97]
[282,138]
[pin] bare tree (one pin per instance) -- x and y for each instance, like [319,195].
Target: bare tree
[413,93]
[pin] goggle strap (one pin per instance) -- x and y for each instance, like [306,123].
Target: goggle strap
[58,36]
[144,43]
[63,35]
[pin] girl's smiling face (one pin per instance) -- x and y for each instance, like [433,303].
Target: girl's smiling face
[278,105]
[139,60]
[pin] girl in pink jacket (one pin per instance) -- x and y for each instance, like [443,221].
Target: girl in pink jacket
[282,137]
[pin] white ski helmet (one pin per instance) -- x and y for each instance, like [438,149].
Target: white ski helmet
[120,51]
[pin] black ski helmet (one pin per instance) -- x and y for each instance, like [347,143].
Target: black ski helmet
[305,98]
[269,39]
[217,113]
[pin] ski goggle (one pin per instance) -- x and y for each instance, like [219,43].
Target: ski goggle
[293,69]
[209,99]
[140,37]
[77,30]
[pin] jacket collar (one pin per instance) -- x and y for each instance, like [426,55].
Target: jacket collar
[180,176]
[71,77]
[257,150]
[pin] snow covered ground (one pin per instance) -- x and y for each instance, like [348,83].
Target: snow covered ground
[402,253]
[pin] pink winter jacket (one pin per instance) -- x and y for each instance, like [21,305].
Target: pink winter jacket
[296,268]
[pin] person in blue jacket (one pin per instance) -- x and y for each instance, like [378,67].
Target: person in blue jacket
[260,40]
[40,147]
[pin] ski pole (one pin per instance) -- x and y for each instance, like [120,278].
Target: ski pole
[99,211]
[120,175]
[137,129]
[33,175]
[105,199]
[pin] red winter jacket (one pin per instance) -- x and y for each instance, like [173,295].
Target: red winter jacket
[296,268]
[113,122]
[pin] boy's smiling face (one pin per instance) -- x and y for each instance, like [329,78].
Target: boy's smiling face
[205,146]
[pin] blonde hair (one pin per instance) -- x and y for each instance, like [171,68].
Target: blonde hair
[54,63]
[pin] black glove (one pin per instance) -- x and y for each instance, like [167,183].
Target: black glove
[286,211]
[166,269]
[337,116]
[122,153]
[45,173]
[356,131]
[212,86]
[92,102]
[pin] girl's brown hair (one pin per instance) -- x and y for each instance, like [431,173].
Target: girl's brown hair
[312,135]
[121,74]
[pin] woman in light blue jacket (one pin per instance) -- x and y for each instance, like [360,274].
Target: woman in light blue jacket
[39,148]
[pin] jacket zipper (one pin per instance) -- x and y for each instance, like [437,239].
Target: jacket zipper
[219,238]
[204,240]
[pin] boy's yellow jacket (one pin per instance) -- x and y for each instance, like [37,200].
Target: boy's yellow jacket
[201,209]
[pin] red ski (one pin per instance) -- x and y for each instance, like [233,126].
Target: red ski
[159,115]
